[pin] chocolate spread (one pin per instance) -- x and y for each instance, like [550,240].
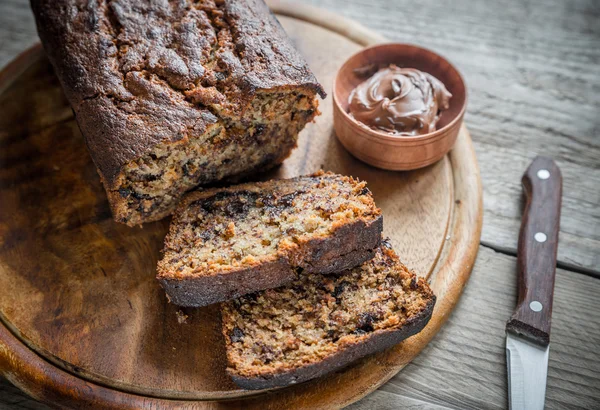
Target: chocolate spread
[400,101]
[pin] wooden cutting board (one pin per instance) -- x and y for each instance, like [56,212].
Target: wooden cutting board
[84,322]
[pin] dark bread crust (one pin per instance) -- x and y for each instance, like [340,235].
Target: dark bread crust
[79,40]
[375,342]
[348,247]
[138,74]
[320,323]
[349,242]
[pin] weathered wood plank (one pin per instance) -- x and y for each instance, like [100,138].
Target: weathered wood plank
[13,398]
[17,29]
[464,366]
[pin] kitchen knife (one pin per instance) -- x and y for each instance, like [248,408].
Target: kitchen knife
[528,330]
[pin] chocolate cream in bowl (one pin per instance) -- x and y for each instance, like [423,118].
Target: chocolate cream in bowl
[400,101]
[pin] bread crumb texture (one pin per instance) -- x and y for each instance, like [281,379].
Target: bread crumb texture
[202,58]
[317,316]
[240,227]
[173,94]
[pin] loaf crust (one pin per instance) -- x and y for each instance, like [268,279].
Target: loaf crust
[261,364]
[147,78]
[346,243]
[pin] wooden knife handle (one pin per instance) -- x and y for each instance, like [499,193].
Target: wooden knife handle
[536,259]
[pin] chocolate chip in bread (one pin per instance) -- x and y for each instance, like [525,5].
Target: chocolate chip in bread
[170,95]
[320,323]
[227,242]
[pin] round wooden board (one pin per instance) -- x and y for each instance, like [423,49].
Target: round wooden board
[84,322]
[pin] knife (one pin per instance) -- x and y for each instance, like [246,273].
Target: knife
[528,330]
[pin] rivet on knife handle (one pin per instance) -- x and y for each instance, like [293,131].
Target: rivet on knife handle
[536,260]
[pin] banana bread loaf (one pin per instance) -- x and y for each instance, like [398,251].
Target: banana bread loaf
[224,243]
[320,323]
[170,95]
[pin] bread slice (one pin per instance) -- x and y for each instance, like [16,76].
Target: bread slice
[320,323]
[224,243]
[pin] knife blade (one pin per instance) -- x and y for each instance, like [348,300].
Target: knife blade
[528,330]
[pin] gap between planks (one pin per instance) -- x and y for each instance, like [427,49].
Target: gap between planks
[559,264]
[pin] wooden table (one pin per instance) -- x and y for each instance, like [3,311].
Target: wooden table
[532,67]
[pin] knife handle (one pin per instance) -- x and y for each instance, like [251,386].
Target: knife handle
[536,258]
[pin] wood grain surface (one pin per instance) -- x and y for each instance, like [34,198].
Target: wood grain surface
[79,289]
[531,69]
[536,260]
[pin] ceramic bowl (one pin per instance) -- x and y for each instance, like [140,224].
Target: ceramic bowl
[379,148]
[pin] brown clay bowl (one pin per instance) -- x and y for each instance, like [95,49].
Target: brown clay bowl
[379,148]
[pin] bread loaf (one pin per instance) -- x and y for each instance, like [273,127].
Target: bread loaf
[170,95]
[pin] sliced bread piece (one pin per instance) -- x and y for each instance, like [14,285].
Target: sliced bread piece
[320,323]
[224,243]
